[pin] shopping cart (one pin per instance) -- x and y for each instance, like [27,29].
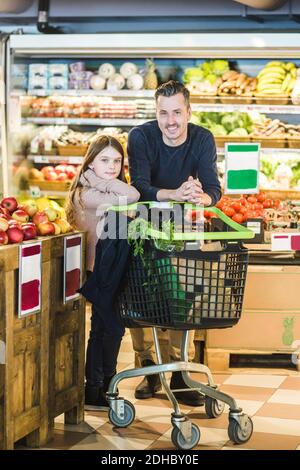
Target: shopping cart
[185,290]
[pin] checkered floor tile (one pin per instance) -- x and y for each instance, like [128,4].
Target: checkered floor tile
[271,399]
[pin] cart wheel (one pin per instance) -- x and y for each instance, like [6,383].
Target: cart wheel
[239,434]
[180,442]
[213,407]
[129,415]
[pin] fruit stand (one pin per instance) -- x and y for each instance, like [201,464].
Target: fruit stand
[32,391]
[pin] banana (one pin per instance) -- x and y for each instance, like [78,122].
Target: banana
[293,72]
[271,79]
[270,71]
[270,91]
[274,63]
[291,86]
[269,85]
[290,66]
[286,82]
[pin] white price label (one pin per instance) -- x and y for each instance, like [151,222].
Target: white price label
[254,226]
[34,191]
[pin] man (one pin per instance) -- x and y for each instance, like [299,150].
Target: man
[171,159]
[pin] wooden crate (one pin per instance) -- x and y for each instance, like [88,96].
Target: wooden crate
[24,376]
[270,321]
[66,345]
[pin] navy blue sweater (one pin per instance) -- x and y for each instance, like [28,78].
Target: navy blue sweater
[153,165]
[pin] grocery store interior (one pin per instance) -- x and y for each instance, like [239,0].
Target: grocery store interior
[71,73]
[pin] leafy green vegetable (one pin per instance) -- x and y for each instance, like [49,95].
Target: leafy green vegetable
[238,132]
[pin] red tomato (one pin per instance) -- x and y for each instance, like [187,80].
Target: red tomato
[261,197]
[252,199]
[229,211]
[243,201]
[258,206]
[238,218]
[276,203]
[267,203]
[236,206]
[243,210]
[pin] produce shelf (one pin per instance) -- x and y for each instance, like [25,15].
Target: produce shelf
[268,150]
[230,107]
[105,93]
[75,160]
[85,121]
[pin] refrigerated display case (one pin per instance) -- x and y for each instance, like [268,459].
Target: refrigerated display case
[36,102]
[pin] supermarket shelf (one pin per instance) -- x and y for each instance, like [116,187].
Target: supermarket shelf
[105,93]
[221,150]
[85,121]
[269,109]
[229,106]
[75,160]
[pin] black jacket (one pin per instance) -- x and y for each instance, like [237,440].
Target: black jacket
[103,285]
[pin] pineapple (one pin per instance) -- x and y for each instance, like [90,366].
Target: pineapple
[150,82]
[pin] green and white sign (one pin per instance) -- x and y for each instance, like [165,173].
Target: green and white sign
[242,163]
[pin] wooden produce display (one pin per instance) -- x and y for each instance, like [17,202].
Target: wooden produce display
[42,370]
[270,321]
[24,374]
[66,344]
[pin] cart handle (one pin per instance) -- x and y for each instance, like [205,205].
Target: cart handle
[240,232]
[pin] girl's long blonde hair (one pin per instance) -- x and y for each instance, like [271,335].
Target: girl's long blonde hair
[98,144]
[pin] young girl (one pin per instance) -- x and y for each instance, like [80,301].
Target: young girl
[99,184]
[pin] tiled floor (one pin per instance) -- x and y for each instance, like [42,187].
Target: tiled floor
[272,399]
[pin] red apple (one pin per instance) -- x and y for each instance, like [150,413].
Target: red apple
[46,169]
[62,177]
[14,223]
[31,208]
[9,203]
[4,211]
[71,174]
[15,235]
[60,169]
[3,216]
[46,228]
[3,238]
[3,225]
[39,218]
[51,176]
[29,231]
[28,224]
[20,216]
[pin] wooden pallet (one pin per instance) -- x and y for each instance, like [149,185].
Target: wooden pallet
[219,359]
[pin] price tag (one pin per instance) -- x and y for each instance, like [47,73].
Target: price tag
[72,267]
[34,191]
[41,159]
[285,241]
[254,226]
[30,259]
[242,163]
[48,145]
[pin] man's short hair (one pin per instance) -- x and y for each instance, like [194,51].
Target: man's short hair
[171,88]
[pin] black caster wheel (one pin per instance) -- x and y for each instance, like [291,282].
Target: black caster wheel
[213,407]
[240,434]
[180,442]
[129,415]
